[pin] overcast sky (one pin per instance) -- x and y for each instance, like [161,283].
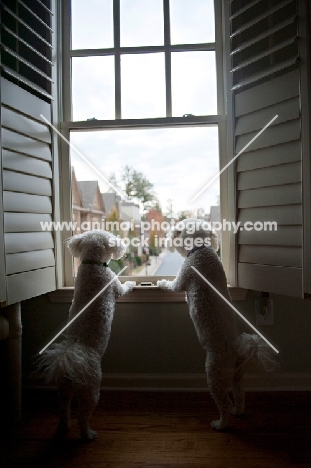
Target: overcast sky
[179,162]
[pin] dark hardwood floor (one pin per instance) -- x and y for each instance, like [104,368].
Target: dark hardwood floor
[155,430]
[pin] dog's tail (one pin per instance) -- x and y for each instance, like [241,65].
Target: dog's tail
[71,361]
[252,347]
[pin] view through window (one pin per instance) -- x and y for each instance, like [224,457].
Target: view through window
[158,171]
[151,64]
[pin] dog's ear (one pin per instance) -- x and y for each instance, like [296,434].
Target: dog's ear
[172,234]
[113,246]
[118,251]
[214,240]
[74,244]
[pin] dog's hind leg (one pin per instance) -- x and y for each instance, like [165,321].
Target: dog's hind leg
[238,393]
[218,379]
[65,396]
[87,399]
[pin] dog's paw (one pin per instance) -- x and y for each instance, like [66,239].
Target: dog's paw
[63,428]
[218,425]
[129,286]
[238,412]
[163,284]
[89,435]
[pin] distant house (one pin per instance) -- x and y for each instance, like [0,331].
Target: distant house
[130,211]
[88,209]
[123,210]
[111,202]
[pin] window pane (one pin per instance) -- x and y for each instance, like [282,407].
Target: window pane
[93,88]
[192,21]
[194,83]
[141,22]
[92,24]
[142,86]
[178,162]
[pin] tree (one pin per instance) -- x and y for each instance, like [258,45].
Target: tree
[169,208]
[156,206]
[113,217]
[113,181]
[184,214]
[137,186]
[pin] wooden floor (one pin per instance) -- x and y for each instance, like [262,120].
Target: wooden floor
[155,430]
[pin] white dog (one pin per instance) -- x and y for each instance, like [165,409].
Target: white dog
[213,318]
[75,363]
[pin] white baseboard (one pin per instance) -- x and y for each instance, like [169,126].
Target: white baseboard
[260,382]
[197,382]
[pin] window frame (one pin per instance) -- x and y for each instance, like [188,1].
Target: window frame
[68,125]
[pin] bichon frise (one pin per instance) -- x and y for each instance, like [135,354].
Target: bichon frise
[213,319]
[74,364]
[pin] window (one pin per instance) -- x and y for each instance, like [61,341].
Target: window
[143,87]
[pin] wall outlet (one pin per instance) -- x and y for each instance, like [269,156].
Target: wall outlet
[264,311]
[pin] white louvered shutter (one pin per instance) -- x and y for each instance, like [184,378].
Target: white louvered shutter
[28,259]
[266,42]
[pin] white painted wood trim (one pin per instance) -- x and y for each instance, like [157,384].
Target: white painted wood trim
[21,144]
[25,222]
[26,164]
[282,215]
[26,261]
[267,94]
[284,235]
[26,203]
[25,125]
[275,279]
[24,183]
[197,382]
[305,84]
[283,153]
[259,382]
[142,294]
[271,255]
[28,241]
[23,101]
[30,284]
[271,196]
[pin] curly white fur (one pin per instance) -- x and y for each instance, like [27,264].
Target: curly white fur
[74,364]
[215,321]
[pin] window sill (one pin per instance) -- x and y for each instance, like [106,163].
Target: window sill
[148,294]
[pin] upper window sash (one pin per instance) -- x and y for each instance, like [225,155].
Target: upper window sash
[117,51]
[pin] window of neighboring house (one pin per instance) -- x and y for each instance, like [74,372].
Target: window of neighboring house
[143,121]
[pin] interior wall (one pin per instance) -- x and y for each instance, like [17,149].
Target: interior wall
[158,340]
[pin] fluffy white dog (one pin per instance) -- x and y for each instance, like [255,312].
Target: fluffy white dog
[75,363]
[213,318]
